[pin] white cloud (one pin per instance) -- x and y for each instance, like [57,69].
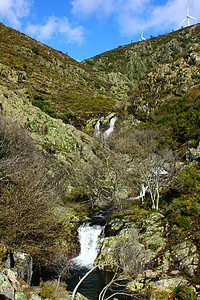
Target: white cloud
[173,13]
[158,18]
[88,7]
[132,15]
[55,26]
[12,11]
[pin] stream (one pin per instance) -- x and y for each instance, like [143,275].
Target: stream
[89,233]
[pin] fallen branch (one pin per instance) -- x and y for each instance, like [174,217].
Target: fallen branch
[81,280]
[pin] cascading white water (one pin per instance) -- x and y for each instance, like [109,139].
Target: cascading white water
[110,129]
[97,127]
[88,237]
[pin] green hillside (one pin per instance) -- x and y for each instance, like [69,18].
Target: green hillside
[56,171]
[54,82]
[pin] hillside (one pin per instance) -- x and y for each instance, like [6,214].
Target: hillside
[135,60]
[164,74]
[56,171]
[54,82]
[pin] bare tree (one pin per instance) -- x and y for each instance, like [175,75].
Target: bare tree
[103,179]
[117,281]
[61,265]
[156,172]
[27,191]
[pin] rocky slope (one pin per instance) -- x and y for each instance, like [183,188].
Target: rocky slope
[57,84]
[50,97]
[144,250]
[156,68]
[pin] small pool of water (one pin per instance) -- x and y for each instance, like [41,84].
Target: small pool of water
[90,287]
[93,284]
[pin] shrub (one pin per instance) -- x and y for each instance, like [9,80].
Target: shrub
[3,253]
[48,290]
[184,293]
[35,50]
[26,221]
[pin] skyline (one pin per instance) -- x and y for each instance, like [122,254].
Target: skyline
[85,28]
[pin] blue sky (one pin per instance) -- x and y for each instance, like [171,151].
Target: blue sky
[85,28]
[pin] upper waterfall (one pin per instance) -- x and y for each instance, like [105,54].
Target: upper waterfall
[108,132]
[97,128]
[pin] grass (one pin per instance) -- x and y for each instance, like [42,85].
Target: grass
[71,87]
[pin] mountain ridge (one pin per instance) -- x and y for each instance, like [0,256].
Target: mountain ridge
[55,172]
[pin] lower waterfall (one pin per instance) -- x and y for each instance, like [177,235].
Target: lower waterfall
[88,237]
[93,284]
[88,234]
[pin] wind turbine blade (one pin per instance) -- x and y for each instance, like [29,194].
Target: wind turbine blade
[188,10]
[182,22]
[192,17]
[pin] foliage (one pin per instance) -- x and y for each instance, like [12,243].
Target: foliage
[184,293]
[182,205]
[188,179]
[26,221]
[27,192]
[3,253]
[52,291]
[183,116]
[48,290]
[35,50]
[161,295]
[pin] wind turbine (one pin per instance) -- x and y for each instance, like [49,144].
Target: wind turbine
[188,17]
[142,38]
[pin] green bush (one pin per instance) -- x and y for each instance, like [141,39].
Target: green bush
[48,290]
[184,293]
[35,50]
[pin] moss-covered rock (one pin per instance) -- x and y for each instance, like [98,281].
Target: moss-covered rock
[6,289]
[142,251]
[134,247]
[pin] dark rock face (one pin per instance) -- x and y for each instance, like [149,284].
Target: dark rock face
[21,263]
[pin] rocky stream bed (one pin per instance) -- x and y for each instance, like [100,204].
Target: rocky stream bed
[153,265]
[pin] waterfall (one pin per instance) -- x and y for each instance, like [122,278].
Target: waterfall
[142,193]
[88,237]
[97,128]
[110,129]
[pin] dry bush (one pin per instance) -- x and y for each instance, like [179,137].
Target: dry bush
[27,192]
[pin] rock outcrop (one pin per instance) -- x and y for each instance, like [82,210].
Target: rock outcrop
[148,257]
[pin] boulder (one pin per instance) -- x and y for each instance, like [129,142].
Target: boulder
[142,251]
[13,279]
[6,288]
[186,256]
[33,296]
[168,283]
[21,264]
[134,247]
[20,296]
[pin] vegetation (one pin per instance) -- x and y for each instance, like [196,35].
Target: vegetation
[27,194]
[52,176]
[55,83]
[184,293]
